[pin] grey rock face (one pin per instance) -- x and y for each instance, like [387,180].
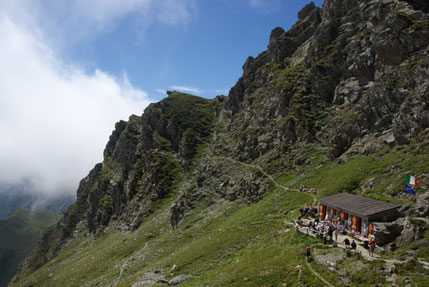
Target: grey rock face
[150,279]
[144,157]
[387,232]
[421,208]
[419,5]
[178,280]
[342,59]
[409,233]
[219,179]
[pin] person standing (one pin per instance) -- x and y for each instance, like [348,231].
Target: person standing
[336,234]
[365,231]
[353,245]
[371,247]
[330,232]
[307,253]
[347,242]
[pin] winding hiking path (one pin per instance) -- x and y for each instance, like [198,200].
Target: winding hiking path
[285,188]
[364,252]
[125,265]
[318,275]
[341,238]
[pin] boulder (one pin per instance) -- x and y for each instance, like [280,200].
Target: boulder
[409,232]
[387,232]
[418,210]
[423,243]
[422,5]
[150,279]
[179,280]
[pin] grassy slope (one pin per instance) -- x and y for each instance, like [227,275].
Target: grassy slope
[229,244]
[20,232]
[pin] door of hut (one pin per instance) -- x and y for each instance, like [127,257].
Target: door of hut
[356,223]
[344,216]
[333,213]
[370,229]
[322,211]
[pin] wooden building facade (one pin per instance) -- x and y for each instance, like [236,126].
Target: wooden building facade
[357,211]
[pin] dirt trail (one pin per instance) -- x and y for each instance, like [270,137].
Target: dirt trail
[364,252]
[285,188]
[125,265]
[318,275]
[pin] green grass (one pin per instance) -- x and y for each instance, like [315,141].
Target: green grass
[241,233]
[386,170]
[223,243]
[23,222]
[20,232]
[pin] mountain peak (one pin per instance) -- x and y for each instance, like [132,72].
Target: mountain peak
[304,12]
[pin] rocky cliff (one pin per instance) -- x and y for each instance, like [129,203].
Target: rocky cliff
[348,80]
[349,71]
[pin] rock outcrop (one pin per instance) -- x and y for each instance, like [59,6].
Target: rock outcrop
[340,65]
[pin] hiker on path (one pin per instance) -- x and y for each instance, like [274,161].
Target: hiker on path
[307,253]
[330,232]
[353,244]
[347,242]
[365,231]
[371,247]
[336,234]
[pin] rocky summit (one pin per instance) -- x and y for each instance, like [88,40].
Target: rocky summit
[203,190]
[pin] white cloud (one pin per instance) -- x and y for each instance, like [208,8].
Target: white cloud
[186,89]
[65,22]
[161,91]
[55,118]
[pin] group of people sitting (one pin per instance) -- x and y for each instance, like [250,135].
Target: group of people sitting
[330,229]
[370,245]
[307,211]
[303,188]
[324,230]
[347,243]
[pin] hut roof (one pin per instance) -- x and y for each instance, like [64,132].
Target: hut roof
[358,205]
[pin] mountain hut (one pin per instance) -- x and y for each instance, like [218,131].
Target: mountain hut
[357,211]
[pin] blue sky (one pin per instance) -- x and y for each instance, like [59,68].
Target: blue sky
[70,69]
[205,51]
